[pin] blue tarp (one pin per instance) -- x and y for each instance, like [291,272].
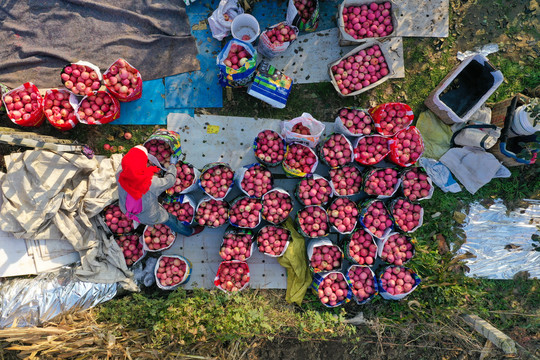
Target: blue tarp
[200,89]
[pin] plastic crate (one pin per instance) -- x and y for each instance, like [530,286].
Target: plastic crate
[461,93]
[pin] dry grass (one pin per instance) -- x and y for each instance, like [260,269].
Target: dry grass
[79,336]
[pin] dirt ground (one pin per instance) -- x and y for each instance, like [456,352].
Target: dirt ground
[434,346]
[323,350]
[510,24]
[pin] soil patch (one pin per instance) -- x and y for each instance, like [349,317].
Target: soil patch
[514,25]
[284,349]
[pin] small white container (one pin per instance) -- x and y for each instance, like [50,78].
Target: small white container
[522,124]
[245,25]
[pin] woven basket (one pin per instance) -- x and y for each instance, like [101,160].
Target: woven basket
[500,109]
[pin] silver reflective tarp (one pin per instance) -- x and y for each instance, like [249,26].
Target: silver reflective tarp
[502,241]
[33,301]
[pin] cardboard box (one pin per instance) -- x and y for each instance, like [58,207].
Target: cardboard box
[271,86]
[367,44]
[345,39]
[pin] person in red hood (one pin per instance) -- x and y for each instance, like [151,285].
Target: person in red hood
[139,188]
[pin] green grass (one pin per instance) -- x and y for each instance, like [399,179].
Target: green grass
[517,76]
[182,319]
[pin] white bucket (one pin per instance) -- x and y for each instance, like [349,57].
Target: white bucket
[245,25]
[521,124]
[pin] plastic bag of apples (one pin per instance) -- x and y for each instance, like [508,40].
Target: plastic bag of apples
[181,206]
[216,180]
[323,255]
[332,288]
[237,63]
[171,271]
[165,143]
[157,237]
[254,180]
[24,105]
[187,177]
[416,184]
[304,129]
[390,118]
[276,39]
[362,282]
[81,78]
[303,14]
[60,105]
[232,276]
[353,121]
[98,108]
[406,147]
[396,249]
[131,247]
[238,244]
[396,282]
[273,240]
[123,81]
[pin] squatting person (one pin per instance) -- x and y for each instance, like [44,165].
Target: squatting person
[139,188]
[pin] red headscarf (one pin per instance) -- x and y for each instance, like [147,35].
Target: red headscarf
[136,175]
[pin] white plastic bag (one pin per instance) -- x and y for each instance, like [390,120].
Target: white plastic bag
[440,175]
[239,177]
[430,182]
[271,50]
[221,19]
[340,127]
[386,295]
[183,280]
[260,241]
[322,242]
[91,66]
[145,245]
[484,136]
[316,128]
